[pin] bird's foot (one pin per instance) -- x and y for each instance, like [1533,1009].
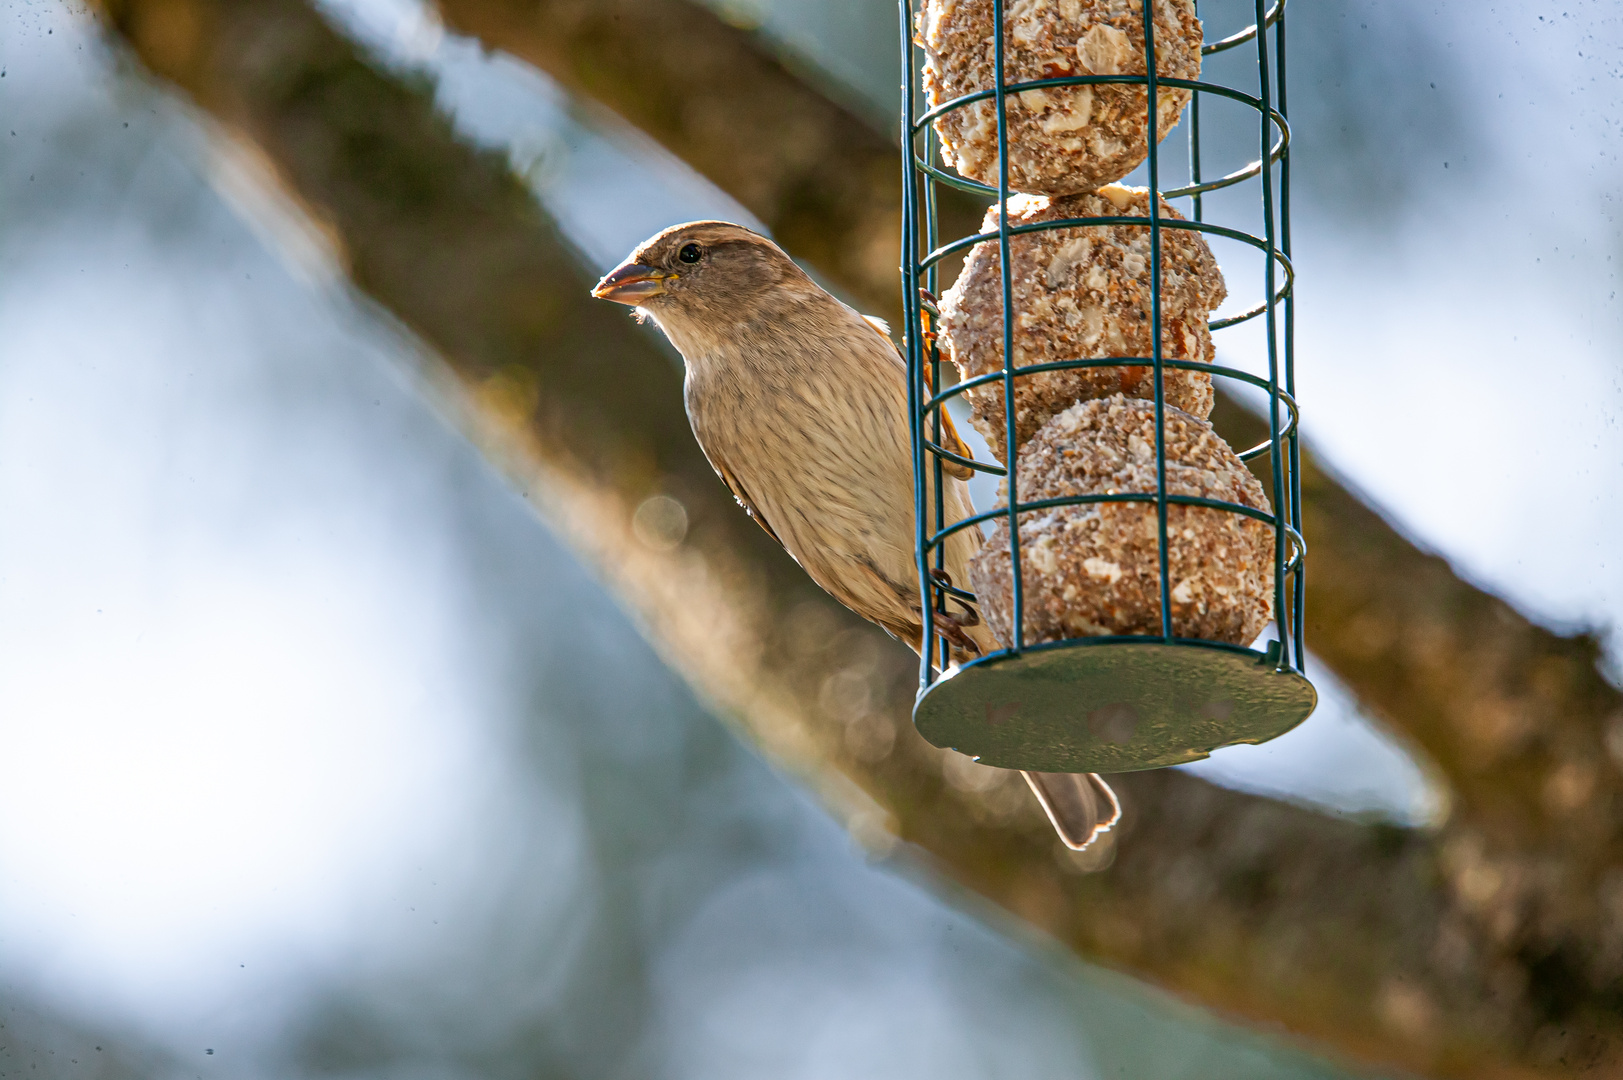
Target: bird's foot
[948,626]
[951,625]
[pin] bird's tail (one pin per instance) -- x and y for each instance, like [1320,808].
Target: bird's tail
[1081,805]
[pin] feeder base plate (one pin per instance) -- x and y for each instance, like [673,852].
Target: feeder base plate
[1116,705]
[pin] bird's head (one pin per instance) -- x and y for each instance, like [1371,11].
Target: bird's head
[704,270]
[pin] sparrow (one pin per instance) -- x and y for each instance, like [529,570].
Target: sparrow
[800,405]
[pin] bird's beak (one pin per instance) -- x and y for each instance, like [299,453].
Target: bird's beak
[632,284]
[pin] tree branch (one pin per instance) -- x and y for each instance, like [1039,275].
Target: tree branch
[1482,951]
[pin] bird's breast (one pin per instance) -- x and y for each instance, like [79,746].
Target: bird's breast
[821,446]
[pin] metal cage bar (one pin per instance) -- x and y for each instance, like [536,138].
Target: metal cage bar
[1276,457]
[1016,582]
[1153,206]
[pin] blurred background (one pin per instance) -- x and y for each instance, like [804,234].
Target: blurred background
[320,754]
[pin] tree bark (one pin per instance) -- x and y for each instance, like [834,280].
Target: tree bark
[1490,948]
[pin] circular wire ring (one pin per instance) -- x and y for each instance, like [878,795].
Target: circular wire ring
[1240,175]
[935,539]
[973,96]
[1243,36]
[1284,290]
[1220,370]
[1292,536]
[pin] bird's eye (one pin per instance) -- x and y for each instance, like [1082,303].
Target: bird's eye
[690,253]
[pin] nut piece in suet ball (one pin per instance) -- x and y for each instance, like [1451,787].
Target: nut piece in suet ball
[1064,139]
[1081,293]
[1094,569]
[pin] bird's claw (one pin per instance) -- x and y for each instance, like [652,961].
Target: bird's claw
[950,625]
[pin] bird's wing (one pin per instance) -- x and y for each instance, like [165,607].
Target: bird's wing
[743,498]
[950,439]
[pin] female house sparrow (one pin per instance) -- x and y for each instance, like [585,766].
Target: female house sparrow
[800,405]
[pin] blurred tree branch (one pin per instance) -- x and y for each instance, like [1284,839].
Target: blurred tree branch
[1491,948]
[826,184]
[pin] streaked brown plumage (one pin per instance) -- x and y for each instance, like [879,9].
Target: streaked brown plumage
[800,404]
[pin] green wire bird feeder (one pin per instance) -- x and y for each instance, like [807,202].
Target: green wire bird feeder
[1117,703]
